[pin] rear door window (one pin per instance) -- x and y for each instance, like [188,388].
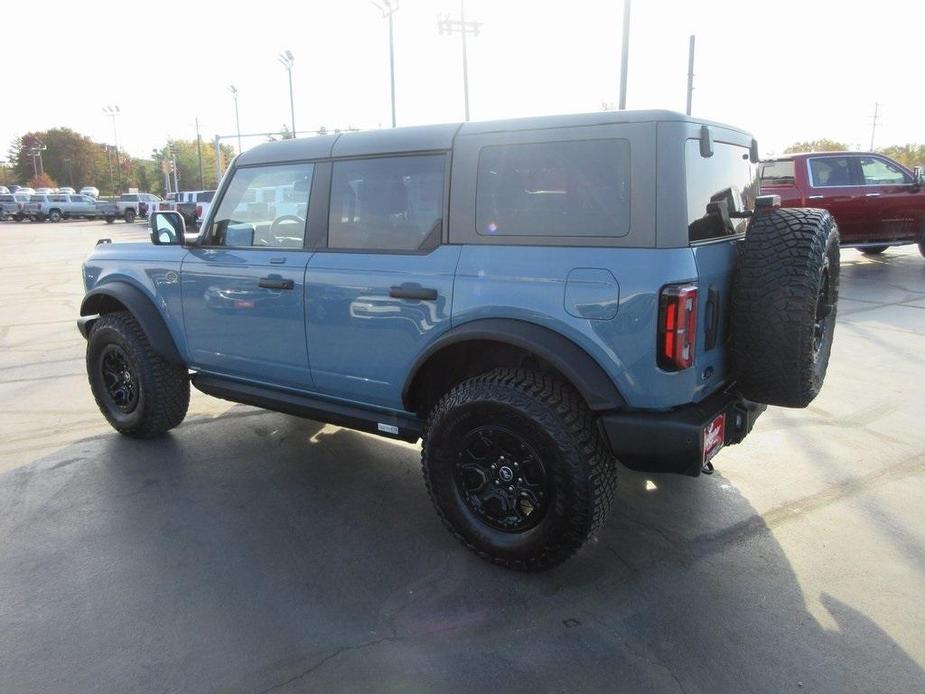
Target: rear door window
[387,203]
[564,189]
[832,172]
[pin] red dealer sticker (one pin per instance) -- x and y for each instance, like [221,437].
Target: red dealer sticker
[714,436]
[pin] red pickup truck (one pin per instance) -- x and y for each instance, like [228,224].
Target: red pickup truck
[877,202]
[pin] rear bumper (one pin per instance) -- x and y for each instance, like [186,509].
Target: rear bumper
[673,441]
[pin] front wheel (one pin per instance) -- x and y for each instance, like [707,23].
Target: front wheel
[141,394]
[130,216]
[517,469]
[54,216]
[110,220]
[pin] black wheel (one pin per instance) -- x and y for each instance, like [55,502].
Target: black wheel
[516,468]
[141,394]
[18,218]
[922,245]
[54,216]
[873,250]
[784,302]
[129,216]
[110,220]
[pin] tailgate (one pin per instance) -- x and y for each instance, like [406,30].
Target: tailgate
[715,262]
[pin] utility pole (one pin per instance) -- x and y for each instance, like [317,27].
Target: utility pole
[873,129]
[626,53]
[388,8]
[202,184]
[286,59]
[451,26]
[217,144]
[112,112]
[690,75]
[237,120]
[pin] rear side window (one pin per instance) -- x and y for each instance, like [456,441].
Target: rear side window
[6,198]
[777,173]
[387,203]
[828,172]
[205,197]
[573,189]
[724,183]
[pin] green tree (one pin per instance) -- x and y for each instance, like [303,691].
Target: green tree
[187,158]
[823,145]
[908,155]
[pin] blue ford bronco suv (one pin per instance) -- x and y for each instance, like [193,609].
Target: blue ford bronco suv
[536,299]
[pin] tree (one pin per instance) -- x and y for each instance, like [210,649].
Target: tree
[909,155]
[187,157]
[823,145]
[43,180]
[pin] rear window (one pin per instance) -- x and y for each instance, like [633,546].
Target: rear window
[578,188]
[128,198]
[777,173]
[205,197]
[36,198]
[726,182]
[7,198]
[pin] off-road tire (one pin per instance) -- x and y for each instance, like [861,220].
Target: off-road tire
[873,250]
[163,388]
[786,276]
[130,216]
[556,423]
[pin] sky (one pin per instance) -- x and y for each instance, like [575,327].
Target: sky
[786,71]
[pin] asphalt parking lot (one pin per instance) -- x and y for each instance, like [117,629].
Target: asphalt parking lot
[251,551]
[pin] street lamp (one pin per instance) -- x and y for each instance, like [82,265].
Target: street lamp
[286,60]
[388,8]
[35,151]
[112,112]
[237,120]
[451,26]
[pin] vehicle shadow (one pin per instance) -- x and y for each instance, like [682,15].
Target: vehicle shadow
[259,552]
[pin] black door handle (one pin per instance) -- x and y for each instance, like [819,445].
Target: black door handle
[408,292]
[275,283]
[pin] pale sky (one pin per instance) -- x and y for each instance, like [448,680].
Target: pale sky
[784,70]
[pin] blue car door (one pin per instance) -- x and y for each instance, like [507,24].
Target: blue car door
[243,287]
[382,288]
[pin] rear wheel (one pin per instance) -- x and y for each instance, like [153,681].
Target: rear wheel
[140,393]
[110,220]
[517,469]
[784,301]
[54,216]
[130,216]
[873,250]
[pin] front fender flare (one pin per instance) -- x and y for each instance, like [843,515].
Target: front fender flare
[573,362]
[140,306]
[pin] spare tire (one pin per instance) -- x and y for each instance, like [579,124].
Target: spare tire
[784,301]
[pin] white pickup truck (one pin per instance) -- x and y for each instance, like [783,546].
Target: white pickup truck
[133,205]
[192,204]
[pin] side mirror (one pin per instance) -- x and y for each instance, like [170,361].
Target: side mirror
[167,228]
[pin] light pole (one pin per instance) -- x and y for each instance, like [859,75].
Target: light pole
[36,153]
[286,60]
[624,63]
[112,112]
[199,154]
[388,8]
[237,120]
[450,26]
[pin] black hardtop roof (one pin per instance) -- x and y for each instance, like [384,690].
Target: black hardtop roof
[422,138]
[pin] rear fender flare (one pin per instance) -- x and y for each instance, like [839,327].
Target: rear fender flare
[573,362]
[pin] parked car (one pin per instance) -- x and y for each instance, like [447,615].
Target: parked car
[192,204]
[876,201]
[11,206]
[23,189]
[133,205]
[66,189]
[46,191]
[91,191]
[4,190]
[581,290]
[56,207]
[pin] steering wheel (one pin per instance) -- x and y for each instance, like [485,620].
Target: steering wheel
[274,227]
